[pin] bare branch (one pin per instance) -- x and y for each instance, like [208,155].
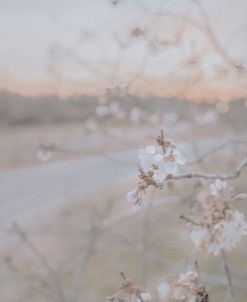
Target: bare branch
[188,220]
[228,275]
[231,175]
[44,261]
[218,148]
[122,216]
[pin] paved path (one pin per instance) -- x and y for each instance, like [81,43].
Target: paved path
[46,187]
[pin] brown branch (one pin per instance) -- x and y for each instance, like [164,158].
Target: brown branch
[188,220]
[231,175]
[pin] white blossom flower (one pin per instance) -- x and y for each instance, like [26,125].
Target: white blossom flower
[186,287]
[161,171]
[146,297]
[221,236]
[228,233]
[150,161]
[218,187]
[192,298]
[219,227]
[147,158]
[174,158]
[163,290]
[198,237]
[155,167]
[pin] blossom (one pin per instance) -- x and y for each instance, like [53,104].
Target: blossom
[163,289]
[161,171]
[160,165]
[148,158]
[185,289]
[152,162]
[218,227]
[173,158]
[146,297]
[198,237]
[228,233]
[221,236]
[154,168]
[217,187]
[135,199]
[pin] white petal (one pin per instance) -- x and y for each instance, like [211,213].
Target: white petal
[158,157]
[150,149]
[132,196]
[146,297]
[192,298]
[169,151]
[213,190]
[198,236]
[180,160]
[146,162]
[162,172]
[172,167]
[219,184]
[138,207]
[163,289]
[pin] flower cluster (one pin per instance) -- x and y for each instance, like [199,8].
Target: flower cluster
[154,168]
[215,225]
[188,288]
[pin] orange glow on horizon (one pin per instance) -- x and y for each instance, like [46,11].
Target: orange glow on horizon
[201,91]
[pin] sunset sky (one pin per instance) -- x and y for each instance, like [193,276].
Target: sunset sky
[177,47]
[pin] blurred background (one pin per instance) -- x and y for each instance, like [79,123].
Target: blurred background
[83,86]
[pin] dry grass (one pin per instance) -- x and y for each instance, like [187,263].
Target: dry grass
[86,260]
[149,247]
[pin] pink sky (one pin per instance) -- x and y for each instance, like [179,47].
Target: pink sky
[69,47]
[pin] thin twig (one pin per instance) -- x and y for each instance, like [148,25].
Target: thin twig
[216,149]
[231,175]
[228,275]
[188,220]
[43,259]
[145,244]
[124,215]
[215,42]
[94,235]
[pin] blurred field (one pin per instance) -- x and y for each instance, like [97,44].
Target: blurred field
[75,249]
[87,257]
[29,122]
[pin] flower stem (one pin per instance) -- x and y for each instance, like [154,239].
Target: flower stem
[228,276]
